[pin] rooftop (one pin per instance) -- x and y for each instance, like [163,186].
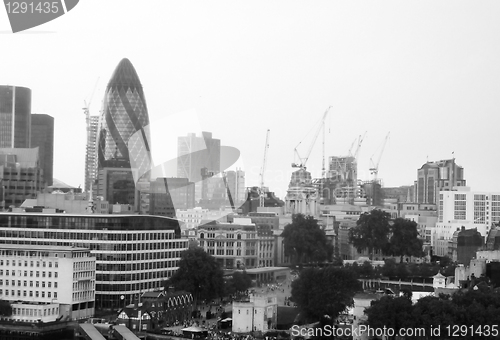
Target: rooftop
[40,247]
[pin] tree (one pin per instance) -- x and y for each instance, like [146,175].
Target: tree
[325,291]
[390,312]
[5,308]
[238,283]
[404,240]
[371,231]
[430,311]
[200,274]
[304,238]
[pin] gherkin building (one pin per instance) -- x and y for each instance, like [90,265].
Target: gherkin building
[123,137]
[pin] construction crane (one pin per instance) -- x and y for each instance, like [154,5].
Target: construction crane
[374,166]
[303,160]
[86,111]
[263,170]
[86,106]
[360,141]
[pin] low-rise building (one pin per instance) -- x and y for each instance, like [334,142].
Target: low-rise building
[47,282]
[234,245]
[259,313]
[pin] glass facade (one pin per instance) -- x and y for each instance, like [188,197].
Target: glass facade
[42,136]
[15,117]
[133,253]
[123,137]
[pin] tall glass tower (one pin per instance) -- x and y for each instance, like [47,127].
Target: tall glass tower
[15,117]
[123,138]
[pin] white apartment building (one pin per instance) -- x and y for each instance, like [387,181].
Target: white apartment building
[47,282]
[470,209]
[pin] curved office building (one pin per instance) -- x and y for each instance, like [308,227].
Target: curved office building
[123,137]
[134,253]
[15,116]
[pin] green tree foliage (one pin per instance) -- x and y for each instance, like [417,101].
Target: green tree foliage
[404,240]
[371,231]
[240,282]
[5,308]
[200,274]
[445,261]
[391,312]
[303,238]
[325,291]
[430,311]
[476,307]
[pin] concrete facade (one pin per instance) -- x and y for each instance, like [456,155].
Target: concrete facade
[41,278]
[260,313]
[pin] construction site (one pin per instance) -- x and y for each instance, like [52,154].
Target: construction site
[339,182]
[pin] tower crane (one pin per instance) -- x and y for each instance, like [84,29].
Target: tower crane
[374,166]
[263,170]
[303,160]
[86,110]
[360,141]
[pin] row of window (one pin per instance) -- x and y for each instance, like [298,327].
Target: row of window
[20,272]
[25,283]
[35,312]
[28,263]
[36,293]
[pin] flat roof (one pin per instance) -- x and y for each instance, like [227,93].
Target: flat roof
[86,215]
[40,247]
[265,270]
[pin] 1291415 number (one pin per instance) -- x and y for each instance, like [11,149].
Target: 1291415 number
[16,7]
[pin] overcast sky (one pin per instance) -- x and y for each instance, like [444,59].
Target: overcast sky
[427,71]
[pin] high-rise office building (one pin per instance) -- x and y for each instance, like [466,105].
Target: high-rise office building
[434,177]
[91,152]
[123,140]
[169,194]
[236,186]
[42,136]
[15,117]
[20,175]
[195,154]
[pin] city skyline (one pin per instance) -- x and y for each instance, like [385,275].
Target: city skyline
[425,72]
